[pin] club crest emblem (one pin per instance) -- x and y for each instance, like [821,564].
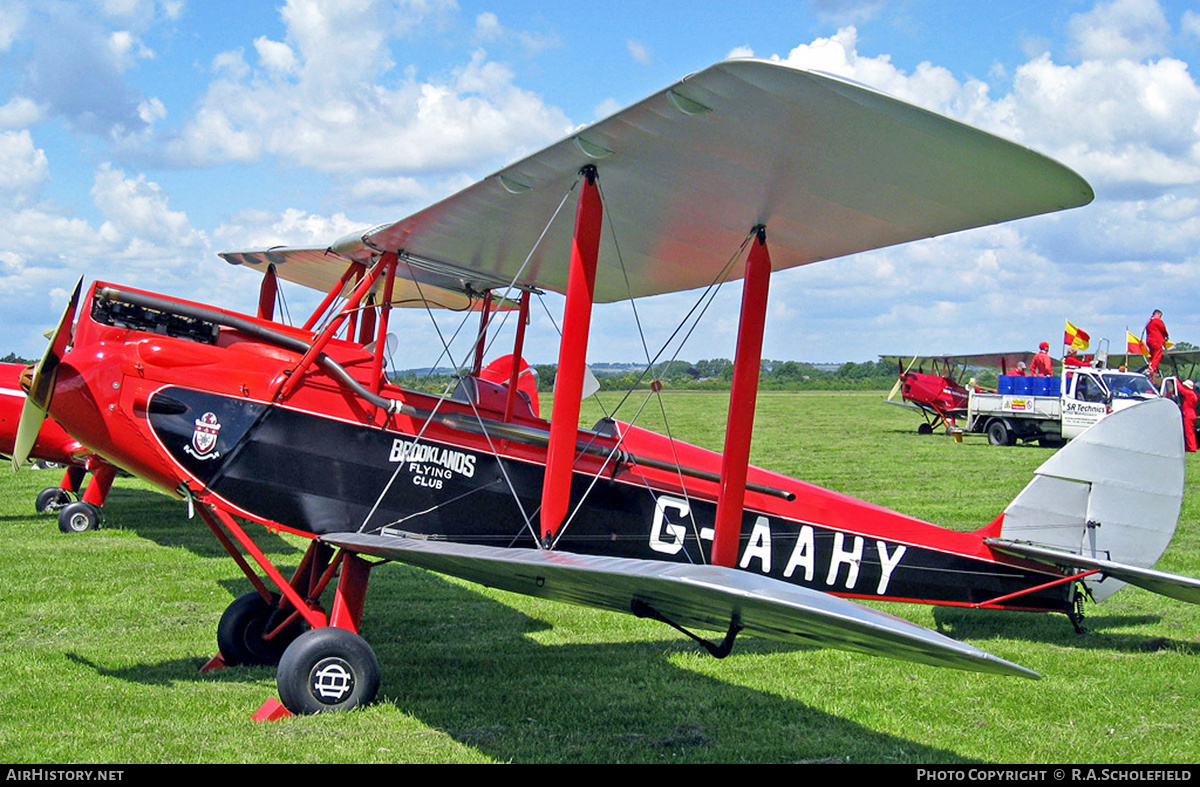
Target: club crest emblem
[204,437]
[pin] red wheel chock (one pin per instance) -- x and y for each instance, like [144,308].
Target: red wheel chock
[271,710]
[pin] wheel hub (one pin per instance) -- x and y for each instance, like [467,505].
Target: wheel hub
[331,681]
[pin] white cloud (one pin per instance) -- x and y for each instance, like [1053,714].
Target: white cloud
[275,56]
[142,9]
[929,86]
[126,48]
[1121,29]
[845,12]
[257,229]
[137,210]
[23,167]
[1124,124]
[317,107]
[489,30]
[12,19]
[1190,26]
[19,112]
[638,51]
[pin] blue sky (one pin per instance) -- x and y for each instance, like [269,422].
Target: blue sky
[138,138]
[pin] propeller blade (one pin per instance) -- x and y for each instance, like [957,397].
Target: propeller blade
[27,432]
[900,380]
[41,386]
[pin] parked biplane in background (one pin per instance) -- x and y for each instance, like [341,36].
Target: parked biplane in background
[941,394]
[298,429]
[1181,364]
[78,506]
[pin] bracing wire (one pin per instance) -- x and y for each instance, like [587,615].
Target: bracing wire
[446,351]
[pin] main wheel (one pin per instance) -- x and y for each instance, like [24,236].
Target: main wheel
[924,429]
[78,517]
[241,629]
[51,499]
[327,669]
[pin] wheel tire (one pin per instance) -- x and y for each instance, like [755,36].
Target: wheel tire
[78,517]
[924,429]
[51,499]
[327,669]
[241,628]
[998,434]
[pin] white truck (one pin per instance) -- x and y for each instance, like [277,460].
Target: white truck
[1053,409]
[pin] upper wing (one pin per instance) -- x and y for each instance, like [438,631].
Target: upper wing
[1171,358]
[830,167]
[976,360]
[321,269]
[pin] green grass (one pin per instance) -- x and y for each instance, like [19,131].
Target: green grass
[103,636]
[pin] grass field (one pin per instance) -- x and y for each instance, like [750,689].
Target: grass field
[104,634]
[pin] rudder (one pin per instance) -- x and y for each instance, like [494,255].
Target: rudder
[1114,492]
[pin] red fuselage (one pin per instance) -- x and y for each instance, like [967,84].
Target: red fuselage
[933,390]
[187,401]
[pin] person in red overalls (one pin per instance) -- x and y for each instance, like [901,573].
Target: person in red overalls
[1187,404]
[1156,339]
[1042,366]
[1072,358]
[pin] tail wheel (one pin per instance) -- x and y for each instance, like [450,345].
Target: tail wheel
[241,631]
[78,517]
[327,669]
[51,499]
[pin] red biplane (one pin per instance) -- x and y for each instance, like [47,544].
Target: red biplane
[743,169]
[939,394]
[78,507]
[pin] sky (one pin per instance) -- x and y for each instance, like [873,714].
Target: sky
[139,138]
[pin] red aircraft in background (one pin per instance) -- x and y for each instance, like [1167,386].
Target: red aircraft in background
[78,507]
[742,170]
[939,394]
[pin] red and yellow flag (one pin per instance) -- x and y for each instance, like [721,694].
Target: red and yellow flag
[1136,345]
[1076,337]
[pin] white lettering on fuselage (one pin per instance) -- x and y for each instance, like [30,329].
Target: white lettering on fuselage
[668,537]
[430,464]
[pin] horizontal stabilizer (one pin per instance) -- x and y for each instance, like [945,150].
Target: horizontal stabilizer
[1170,585]
[703,597]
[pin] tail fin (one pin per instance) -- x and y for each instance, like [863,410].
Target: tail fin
[1113,493]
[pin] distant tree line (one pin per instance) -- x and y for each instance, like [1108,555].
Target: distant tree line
[716,374]
[713,374]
